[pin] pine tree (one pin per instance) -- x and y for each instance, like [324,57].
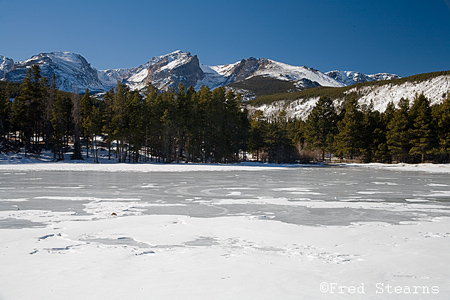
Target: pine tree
[118,120]
[442,117]
[62,124]
[87,122]
[256,142]
[216,124]
[96,126]
[25,111]
[321,126]
[182,116]
[5,108]
[50,97]
[77,126]
[348,141]
[421,131]
[372,134]
[398,134]
[236,127]
[151,121]
[107,113]
[382,153]
[204,97]
[135,125]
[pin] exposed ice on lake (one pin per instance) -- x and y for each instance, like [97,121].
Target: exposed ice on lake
[199,232]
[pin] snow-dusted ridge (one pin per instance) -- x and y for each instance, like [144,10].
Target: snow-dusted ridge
[287,72]
[73,72]
[6,65]
[435,89]
[351,77]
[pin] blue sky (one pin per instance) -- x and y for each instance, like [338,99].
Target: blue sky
[370,36]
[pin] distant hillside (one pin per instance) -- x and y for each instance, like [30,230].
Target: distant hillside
[435,86]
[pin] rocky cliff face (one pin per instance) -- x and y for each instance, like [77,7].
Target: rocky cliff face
[166,71]
[172,70]
[245,69]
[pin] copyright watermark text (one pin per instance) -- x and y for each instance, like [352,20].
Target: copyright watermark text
[378,288]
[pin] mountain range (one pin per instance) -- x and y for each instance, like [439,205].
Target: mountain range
[74,73]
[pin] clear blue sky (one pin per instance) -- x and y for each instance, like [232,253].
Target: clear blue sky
[405,37]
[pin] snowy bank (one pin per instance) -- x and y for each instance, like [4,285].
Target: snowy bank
[19,162]
[426,167]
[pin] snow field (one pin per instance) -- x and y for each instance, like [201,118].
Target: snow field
[169,236]
[179,257]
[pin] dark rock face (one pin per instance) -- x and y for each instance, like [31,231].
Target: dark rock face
[306,83]
[246,68]
[163,76]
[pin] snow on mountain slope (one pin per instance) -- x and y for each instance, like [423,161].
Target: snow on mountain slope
[213,78]
[350,77]
[6,65]
[302,77]
[433,89]
[225,70]
[111,76]
[380,95]
[72,71]
[165,71]
[287,72]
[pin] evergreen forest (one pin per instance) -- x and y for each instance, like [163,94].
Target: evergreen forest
[207,126]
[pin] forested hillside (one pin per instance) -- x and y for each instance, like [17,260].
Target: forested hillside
[341,92]
[214,126]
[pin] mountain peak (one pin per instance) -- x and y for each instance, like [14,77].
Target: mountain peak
[351,77]
[6,64]
[73,72]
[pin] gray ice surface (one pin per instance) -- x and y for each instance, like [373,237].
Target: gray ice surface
[199,194]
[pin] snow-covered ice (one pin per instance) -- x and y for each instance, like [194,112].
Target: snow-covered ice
[184,231]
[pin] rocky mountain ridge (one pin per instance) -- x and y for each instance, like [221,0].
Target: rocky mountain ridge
[74,73]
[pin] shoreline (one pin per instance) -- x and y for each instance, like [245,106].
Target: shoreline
[45,162]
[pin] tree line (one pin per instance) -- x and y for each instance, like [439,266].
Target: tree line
[214,126]
[191,126]
[411,132]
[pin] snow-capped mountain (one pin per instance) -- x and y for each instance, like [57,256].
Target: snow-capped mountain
[302,77]
[6,64]
[350,77]
[74,73]
[166,71]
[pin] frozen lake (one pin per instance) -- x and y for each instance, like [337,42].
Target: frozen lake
[291,195]
[198,233]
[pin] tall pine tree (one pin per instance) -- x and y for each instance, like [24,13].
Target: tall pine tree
[348,141]
[421,132]
[321,126]
[398,135]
